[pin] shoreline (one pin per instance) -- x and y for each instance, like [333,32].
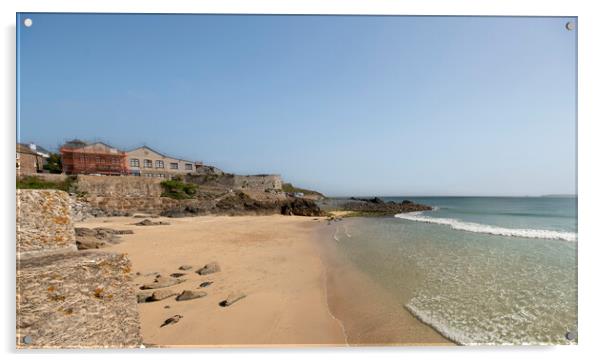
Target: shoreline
[300,292]
[368,313]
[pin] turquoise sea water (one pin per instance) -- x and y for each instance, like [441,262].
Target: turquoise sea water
[480,270]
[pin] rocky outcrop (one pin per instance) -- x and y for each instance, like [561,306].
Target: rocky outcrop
[241,203]
[86,238]
[301,207]
[378,206]
[82,210]
[374,200]
[218,194]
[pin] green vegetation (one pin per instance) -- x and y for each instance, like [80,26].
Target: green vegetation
[54,164]
[36,182]
[178,189]
[288,187]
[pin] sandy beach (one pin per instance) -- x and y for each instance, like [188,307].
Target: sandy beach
[271,259]
[279,264]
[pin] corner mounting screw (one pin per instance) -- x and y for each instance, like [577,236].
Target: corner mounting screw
[569,26]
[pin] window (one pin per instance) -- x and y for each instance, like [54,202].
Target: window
[173,165]
[159,164]
[97,159]
[188,166]
[134,162]
[114,160]
[148,164]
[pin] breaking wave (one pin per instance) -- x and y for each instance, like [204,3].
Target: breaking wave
[490,229]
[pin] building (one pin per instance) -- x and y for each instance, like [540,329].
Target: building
[93,159]
[144,161]
[30,160]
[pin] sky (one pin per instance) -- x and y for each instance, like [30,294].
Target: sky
[347,105]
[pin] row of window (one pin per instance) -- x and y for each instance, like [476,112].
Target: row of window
[160,175]
[98,159]
[134,162]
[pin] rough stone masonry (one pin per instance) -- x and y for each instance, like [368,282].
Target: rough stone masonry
[68,298]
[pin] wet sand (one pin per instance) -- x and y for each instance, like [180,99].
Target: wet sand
[370,315]
[299,290]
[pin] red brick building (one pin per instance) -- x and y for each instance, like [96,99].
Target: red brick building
[93,158]
[28,160]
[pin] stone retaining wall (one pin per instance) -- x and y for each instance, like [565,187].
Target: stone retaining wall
[252,183]
[76,300]
[67,298]
[257,182]
[119,186]
[43,223]
[129,205]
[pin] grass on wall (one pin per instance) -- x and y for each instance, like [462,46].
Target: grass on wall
[38,183]
[178,189]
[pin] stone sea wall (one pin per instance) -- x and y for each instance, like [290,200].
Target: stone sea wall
[115,205]
[68,298]
[119,186]
[257,182]
[125,195]
[253,183]
[76,300]
[43,223]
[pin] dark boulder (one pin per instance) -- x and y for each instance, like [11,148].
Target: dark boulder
[301,207]
[86,238]
[376,206]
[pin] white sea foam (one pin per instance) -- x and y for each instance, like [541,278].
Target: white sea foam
[443,328]
[473,337]
[490,229]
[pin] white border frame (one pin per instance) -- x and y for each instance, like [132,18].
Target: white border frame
[589,181]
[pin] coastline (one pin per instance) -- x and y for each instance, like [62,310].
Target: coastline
[300,290]
[371,317]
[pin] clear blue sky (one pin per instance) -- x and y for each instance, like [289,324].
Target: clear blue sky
[344,104]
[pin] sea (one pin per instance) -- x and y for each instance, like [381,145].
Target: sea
[479,270]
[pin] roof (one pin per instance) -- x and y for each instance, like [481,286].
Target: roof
[77,144]
[21,148]
[42,149]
